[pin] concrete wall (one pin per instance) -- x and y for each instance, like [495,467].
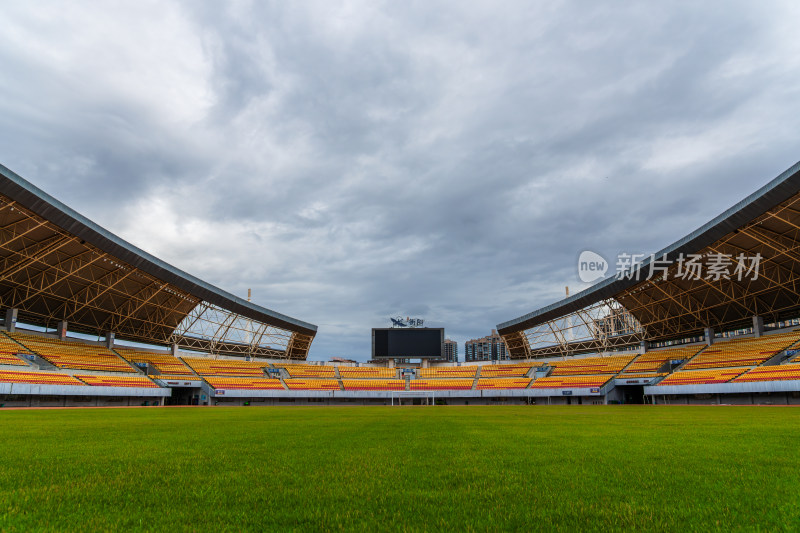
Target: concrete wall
[725,388]
[77,390]
[77,401]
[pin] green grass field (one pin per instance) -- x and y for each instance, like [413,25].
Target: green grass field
[425,468]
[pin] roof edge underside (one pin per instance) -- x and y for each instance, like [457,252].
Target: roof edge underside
[42,204]
[778,190]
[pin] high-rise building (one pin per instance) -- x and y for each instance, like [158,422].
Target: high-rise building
[451,350]
[489,348]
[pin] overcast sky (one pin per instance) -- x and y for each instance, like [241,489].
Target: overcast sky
[359,160]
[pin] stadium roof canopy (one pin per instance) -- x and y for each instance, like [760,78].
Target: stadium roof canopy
[56,265]
[663,298]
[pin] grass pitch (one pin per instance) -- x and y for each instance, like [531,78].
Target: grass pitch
[430,468]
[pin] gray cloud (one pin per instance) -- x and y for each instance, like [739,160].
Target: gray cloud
[357,160]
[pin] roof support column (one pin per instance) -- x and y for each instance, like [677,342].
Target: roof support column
[174,350]
[11,319]
[758,326]
[643,346]
[709,334]
[109,339]
[61,329]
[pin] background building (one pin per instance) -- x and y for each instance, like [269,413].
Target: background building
[489,348]
[451,350]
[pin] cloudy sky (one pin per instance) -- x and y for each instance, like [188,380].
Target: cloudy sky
[351,161]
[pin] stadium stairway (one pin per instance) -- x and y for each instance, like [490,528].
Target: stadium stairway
[282,374]
[151,370]
[135,368]
[782,357]
[338,377]
[477,376]
[624,368]
[685,362]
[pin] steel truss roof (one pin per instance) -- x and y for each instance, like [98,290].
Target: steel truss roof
[668,307]
[57,265]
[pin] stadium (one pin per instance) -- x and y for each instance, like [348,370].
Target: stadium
[241,244]
[474,455]
[631,338]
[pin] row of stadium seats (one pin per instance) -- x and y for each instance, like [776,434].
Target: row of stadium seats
[448,372]
[736,375]
[690,377]
[373,384]
[38,378]
[312,384]
[730,360]
[245,383]
[8,352]
[169,377]
[641,375]
[308,371]
[57,378]
[442,384]
[652,361]
[500,371]
[72,354]
[771,373]
[369,384]
[503,383]
[116,381]
[165,364]
[571,382]
[367,372]
[204,366]
[743,352]
[591,365]
[702,377]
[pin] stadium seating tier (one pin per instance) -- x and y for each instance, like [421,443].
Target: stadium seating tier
[308,371]
[312,384]
[502,383]
[373,384]
[771,373]
[501,371]
[244,383]
[116,381]
[748,351]
[72,354]
[205,366]
[570,382]
[164,363]
[702,377]
[39,378]
[653,360]
[591,365]
[367,372]
[442,384]
[448,372]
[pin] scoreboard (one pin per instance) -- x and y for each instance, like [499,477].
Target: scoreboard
[407,343]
